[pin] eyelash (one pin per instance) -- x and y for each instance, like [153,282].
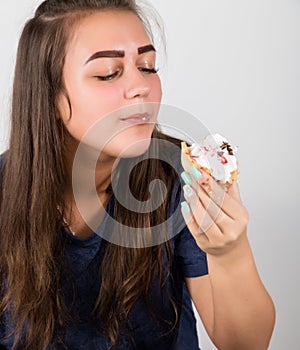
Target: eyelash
[149,70]
[141,69]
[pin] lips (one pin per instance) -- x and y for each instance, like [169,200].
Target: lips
[137,118]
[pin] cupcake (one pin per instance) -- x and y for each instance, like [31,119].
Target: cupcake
[215,156]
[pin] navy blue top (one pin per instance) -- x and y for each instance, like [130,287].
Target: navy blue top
[85,255]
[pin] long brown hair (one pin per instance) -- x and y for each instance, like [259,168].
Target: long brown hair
[32,184]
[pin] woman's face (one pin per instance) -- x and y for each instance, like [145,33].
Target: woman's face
[110,78]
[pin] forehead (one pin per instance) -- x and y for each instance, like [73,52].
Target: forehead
[107,30]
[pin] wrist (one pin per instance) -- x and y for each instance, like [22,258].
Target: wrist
[238,253]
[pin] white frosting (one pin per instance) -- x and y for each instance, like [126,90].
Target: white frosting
[208,154]
[200,156]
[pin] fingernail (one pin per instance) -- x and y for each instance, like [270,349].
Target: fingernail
[188,191]
[196,173]
[186,178]
[185,207]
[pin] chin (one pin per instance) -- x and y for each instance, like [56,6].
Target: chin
[131,143]
[135,149]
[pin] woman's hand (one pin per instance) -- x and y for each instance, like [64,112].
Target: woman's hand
[216,217]
[243,313]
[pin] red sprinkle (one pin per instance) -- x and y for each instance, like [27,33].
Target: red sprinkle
[224,160]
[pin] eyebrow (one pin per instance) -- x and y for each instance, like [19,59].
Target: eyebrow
[146,48]
[118,53]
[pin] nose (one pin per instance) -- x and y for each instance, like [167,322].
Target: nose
[136,85]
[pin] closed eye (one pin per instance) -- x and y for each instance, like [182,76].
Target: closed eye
[107,77]
[148,70]
[116,73]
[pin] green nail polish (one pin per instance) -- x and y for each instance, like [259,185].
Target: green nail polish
[185,207]
[186,178]
[196,173]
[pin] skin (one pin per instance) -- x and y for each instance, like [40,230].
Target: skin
[98,104]
[117,31]
[231,300]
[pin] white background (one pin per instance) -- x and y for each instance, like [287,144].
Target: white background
[235,66]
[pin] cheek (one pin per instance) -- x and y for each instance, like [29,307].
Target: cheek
[156,90]
[92,103]
[88,106]
[96,102]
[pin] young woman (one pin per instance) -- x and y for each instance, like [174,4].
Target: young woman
[86,78]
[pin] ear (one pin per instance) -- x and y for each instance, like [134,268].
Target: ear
[63,107]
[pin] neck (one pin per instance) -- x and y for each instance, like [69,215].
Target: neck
[90,173]
[85,196]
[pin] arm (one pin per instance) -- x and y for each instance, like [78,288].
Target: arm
[232,302]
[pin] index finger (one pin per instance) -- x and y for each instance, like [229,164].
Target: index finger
[234,191]
[228,201]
